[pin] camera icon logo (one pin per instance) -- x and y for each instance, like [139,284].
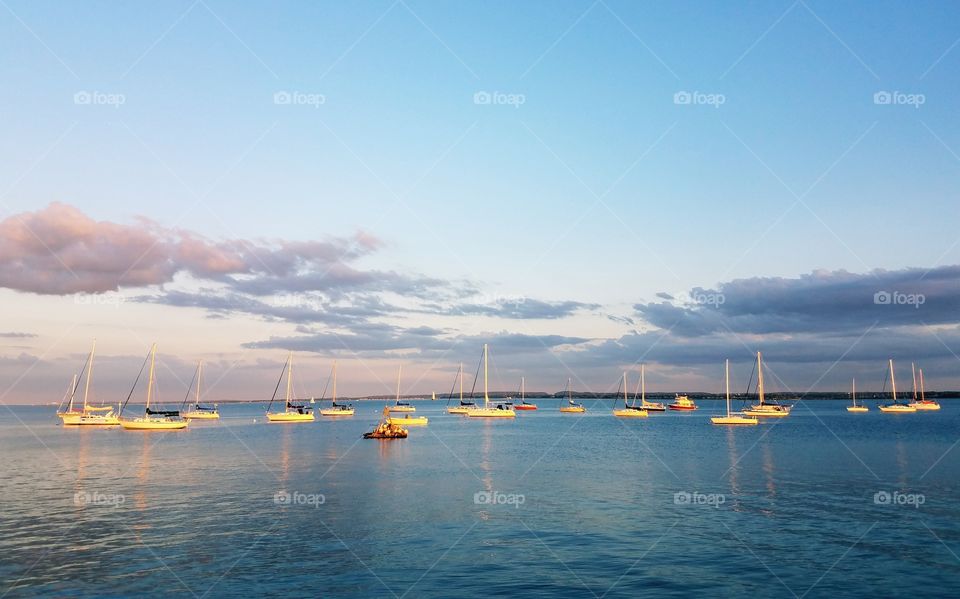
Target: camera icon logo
[682,98]
[483,498]
[882,98]
[82,97]
[882,298]
[882,498]
[281,97]
[281,498]
[481,98]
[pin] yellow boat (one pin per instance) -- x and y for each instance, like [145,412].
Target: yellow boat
[732,418]
[499,410]
[855,409]
[336,409]
[464,407]
[88,415]
[198,412]
[153,420]
[571,406]
[923,404]
[765,409]
[408,420]
[629,411]
[291,412]
[896,407]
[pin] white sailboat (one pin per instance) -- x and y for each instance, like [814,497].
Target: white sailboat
[856,409]
[464,406]
[336,409]
[292,412]
[153,420]
[765,409]
[401,406]
[895,407]
[924,404]
[650,406]
[571,407]
[88,415]
[731,417]
[628,410]
[197,411]
[499,410]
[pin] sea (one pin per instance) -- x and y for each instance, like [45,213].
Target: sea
[823,503]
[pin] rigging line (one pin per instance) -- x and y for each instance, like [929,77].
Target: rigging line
[183,404]
[134,388]
[277,388]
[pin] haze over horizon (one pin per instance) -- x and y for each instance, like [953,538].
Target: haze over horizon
[584,186]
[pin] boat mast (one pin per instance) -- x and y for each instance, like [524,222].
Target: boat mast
[399,370]
[760,377]
[913,369]
[153,356]
[893,383]
[854,392]
[73,390]
[726,376]
[86,386]
[289,376]
[486,398]
[569,392]
[199,374]
[334,381]
[923,396]
[523,389]
[625,404]
[643,386]
[461,383]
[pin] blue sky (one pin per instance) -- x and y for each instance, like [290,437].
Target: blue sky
[592,185]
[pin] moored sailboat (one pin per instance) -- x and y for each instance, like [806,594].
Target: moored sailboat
[401,406]
[764,408]
[500,410]
[650,406]
[731,417]
[571,407]
[895,407]
[152,420]
[464,406]
[335,408]
[198,411]
[628,410]
[923,404]
[292,412]
[524,404]
[856,409]
[88,415]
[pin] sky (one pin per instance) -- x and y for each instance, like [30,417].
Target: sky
[586,186]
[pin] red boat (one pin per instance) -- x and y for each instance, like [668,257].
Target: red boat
[682,403]
[523,405]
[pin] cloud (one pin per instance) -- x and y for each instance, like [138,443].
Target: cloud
[523,308]
[16,335]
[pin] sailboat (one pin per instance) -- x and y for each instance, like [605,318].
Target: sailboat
[499,410]
[401,406]
[524,404]
[765,409]
[731,417]
[88,415]
[292,412]
[153,420]
[571,407]
[336,409]
[896,407]
[628,410]
[924,404]
[650,406]
[197,411]
[464,406]
[853,396]
[406,419]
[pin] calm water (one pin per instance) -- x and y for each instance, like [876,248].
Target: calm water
[584,506]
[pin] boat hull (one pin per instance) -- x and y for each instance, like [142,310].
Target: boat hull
[767,411]
[898,409]
[81,419]
[730,420]
[655,407]
[201,415]
[460,410]
[491,413]
[925,406]
[385,436]
[415,421]
[402,409]
[630,413]
[525,407]
[677,408]
[857,409]
[290,417]
[573,410]
[149,424]
[337,412]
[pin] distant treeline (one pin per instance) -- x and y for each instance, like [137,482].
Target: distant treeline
[866,395]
